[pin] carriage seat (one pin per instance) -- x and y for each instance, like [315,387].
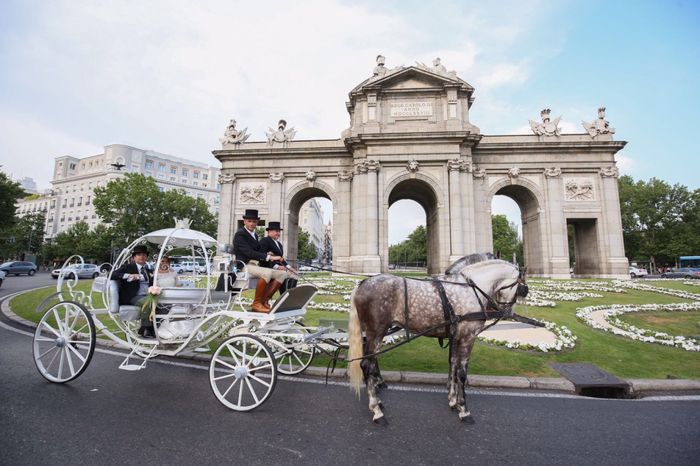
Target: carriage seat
[126,311]
[294,299]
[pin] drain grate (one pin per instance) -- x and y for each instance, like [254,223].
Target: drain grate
[590,380]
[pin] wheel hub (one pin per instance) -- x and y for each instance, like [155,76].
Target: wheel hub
[240,371]
[60,342]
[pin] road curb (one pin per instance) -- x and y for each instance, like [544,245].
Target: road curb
[429,378]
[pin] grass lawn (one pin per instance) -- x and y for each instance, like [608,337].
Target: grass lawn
[621,356]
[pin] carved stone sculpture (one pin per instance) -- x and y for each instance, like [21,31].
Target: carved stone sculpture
[371,165]
[311,176]
[380,70]
[232,135]
[281,135]
[599,126]
[252,193]
[578,189]
[547,127]
[479,173]
[276,177]
[345,175]
[226,178]
[437,68]
[609,172]
[412,165]
[514,172]
[552,172]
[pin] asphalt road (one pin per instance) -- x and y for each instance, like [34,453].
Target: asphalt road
[167,414]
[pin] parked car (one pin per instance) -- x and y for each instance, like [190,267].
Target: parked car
[2,276]
[82,271]
[637,272]
[682,272]
[19,268]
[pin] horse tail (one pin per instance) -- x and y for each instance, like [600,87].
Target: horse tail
[355,347]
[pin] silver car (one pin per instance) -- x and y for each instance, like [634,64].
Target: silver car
[82,271]
[19,268]
[2,276]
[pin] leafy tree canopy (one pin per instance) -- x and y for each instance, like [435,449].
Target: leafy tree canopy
[10,191]
[306,251]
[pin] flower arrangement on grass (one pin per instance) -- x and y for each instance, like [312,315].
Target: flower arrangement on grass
[611,323]
[564,339]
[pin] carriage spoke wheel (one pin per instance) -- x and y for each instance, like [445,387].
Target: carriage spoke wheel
[64,342]
[296,355]
[242,372]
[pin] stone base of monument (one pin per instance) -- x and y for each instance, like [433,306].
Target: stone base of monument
[591,380]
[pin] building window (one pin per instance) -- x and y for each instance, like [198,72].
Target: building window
[72,166]
[195,183]
[161,167]
[172,178]
[195,175]
[185,172]
[184,180]
[205,176]
[173,169]
[87,201]
[149,164]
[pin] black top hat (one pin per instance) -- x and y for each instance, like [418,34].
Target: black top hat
[140,249]
[251,214]
[274,226]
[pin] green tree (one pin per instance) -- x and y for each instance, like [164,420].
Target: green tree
[25,236]
[134,205]
[412,249]
[10,191]
[505,239]
[306,251]
[657,219]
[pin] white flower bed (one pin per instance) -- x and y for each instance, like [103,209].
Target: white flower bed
[617,327]
[657,289]
[564,339]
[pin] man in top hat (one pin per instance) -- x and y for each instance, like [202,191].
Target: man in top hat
[272,244]
[135,278]
[247,249]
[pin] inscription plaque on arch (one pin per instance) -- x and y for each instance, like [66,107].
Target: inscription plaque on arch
[411,109]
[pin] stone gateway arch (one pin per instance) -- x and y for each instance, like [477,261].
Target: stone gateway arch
[411,138]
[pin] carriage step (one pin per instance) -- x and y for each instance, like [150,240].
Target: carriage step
[131,367]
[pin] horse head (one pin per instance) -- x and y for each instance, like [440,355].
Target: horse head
[502,281]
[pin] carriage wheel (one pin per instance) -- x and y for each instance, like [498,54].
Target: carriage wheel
[64,342]
[242,372]
[301,353]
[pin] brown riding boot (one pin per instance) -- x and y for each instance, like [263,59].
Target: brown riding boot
[270,290]
[258,305]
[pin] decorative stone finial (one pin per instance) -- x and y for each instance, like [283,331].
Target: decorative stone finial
[232,136]
[183,223]
[282,135]
[547,127]
[599,126]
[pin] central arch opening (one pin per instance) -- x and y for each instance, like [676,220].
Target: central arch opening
[423,195]
[309,228]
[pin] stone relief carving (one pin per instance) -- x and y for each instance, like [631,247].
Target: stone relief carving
[226,178]
[459,164]
[437,68]
[547,127]
[310,176]
[412,165]
[371,165]
[345,175]
[252,193]
[479,173]
[282,135]
[552,172]
[276,177]
[599,126]
[578,189]
[609,172]
[380,70]
[514,172]
[233,136]
[360,168]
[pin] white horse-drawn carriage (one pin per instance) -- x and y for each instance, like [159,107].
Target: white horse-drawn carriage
[205,313]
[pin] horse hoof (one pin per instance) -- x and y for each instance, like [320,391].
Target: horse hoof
[467,419]
[382,386]
[381,421]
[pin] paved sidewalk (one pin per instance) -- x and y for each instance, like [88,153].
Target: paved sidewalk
[511,331]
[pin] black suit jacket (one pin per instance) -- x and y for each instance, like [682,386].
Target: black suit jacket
[127,290]
[267,244]
[247,248]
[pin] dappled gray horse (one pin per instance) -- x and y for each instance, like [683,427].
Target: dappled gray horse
[473,286]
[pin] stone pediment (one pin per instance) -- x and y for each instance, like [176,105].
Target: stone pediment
[412,78]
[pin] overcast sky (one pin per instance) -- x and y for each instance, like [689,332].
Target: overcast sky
[167,75]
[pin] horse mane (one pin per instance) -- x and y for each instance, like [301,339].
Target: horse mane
[471,259]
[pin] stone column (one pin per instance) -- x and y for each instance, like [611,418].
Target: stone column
[274,200]
[227,207]
[610,202]
[371,262]
[341,221]
[557,229]
[457,232]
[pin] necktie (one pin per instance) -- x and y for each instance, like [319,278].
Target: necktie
[144,272]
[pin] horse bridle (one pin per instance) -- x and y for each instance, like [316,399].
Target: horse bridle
[520,292]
